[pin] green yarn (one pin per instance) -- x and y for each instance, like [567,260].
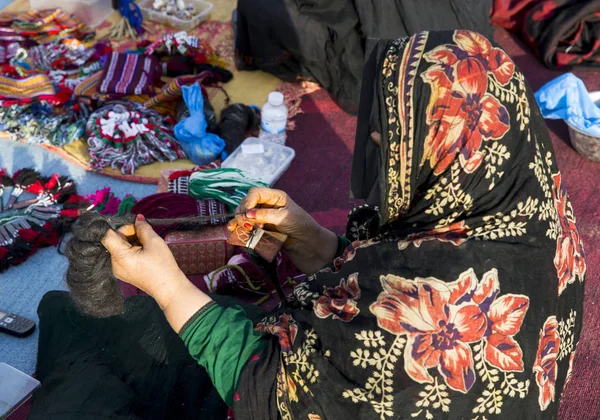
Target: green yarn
[228,185]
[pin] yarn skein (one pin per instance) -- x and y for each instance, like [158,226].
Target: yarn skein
[94,289]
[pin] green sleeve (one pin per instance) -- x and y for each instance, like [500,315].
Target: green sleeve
[222,340]
[343,243]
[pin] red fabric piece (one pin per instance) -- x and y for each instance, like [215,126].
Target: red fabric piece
[561,32]
[3,252]
[73,213]
[29,235]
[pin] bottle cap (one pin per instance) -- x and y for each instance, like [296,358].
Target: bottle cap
[276,98]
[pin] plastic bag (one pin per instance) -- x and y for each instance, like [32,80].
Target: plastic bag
[199,146]
[567,98]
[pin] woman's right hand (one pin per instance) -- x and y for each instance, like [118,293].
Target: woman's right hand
[309,245]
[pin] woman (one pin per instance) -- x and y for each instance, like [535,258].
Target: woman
[461,294]
[327,41]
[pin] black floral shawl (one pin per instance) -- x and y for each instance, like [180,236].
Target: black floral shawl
[462,296]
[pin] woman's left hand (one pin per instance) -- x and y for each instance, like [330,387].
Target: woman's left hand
[141,258]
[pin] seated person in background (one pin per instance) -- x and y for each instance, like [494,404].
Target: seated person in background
[447,302]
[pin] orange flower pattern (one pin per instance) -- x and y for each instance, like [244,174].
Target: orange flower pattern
[545,366]
[569,259]
[441,319]
[462,113]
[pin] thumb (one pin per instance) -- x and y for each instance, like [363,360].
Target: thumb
[144,231]
[115,243]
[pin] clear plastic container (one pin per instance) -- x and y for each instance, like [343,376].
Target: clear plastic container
[273,119]
[202,7]
[92,12]
[261,160]
[15,388]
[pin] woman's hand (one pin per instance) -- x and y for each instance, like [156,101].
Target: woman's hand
[140,257]
[309,245]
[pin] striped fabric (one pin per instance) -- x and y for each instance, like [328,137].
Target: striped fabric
[129,74]
[39,86]
[172,91]
[44,25]
[89,87]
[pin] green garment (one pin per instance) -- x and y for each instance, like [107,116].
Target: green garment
[222,340]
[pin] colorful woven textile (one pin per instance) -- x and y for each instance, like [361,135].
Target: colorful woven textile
[127,74]
[44,25]
[27,89]
[35,223]
[127,135]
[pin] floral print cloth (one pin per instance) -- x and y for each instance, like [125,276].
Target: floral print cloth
[461,295]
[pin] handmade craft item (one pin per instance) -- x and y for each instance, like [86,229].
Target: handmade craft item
[127,135]
[178,206]
[224,184]
[24,230]
[105,202]
[46,25]
[22,179]
[129,74]
[265,243]
[5,182]
[42,123]
[200,251]
[181,43]
[54,190]
[130,22]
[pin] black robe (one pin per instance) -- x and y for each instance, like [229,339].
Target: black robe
[325,40]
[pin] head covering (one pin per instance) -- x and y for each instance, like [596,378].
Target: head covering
[465,299]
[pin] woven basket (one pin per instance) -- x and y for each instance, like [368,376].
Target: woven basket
[586,145]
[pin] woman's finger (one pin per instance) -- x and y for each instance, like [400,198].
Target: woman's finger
[263,197]
[144,231]
[273,217]
[115,243]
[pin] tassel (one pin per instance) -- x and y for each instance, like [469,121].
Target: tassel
[127,135]
[227,185]
[22,179]
[126,205]
[53,190]
[5,181]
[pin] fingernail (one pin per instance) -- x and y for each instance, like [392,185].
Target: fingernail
[251,214]
[247,226]
[140,218]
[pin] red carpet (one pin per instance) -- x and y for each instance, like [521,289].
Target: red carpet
[319,180]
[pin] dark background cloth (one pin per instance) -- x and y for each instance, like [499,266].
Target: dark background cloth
[561,32]
[324,40]
[132,366]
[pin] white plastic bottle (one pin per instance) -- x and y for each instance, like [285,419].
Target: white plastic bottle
[274,115]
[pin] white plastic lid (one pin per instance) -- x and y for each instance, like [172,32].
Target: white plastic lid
[276,98]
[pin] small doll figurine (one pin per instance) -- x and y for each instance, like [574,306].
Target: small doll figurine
[265,243]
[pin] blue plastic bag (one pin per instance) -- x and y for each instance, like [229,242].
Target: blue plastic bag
[567,98]
[199,146]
